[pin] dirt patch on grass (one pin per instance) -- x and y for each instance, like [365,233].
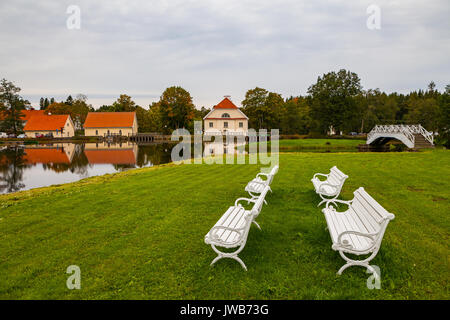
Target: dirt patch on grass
[415,189]
[436,198]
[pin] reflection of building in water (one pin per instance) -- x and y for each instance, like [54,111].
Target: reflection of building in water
[49,154]
[216,148]
[111,153]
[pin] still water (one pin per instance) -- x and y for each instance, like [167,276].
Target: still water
[27,167]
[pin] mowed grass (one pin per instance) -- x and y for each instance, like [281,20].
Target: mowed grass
[319,145]
[139,234]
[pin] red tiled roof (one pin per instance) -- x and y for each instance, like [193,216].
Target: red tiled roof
[111,156]
[46,123]
[225,104]
[109,120]
[29,113]
[51,155]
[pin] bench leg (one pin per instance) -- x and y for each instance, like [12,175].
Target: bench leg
[256,224]
[324,199]
[232,255]
[362,263]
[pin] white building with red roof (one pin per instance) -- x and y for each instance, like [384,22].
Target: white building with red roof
[61,126]
[226,118]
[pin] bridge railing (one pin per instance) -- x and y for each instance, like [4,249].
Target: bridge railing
[407,130]
[421,130]
[392,129]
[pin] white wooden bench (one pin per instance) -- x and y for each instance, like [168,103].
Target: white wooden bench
[359,230]
[231,231]
[255,187]
[330,188]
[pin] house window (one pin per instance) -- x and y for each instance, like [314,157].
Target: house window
[120,132]
[241,124]
[225,124]
[225,115]
[96,132]
[211,124]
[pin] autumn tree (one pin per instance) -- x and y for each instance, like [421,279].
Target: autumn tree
[77,109]
[11,106]
[176,109]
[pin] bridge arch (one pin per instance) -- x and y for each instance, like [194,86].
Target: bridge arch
[412,136]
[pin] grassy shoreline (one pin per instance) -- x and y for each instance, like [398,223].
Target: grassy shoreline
[139,234]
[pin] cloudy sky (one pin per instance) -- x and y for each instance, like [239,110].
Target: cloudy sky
[214,48]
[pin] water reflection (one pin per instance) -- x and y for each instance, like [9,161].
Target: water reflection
[31,166]
[218,148]
[26,167]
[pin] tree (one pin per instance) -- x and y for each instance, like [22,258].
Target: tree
[12,105]
[295,116]
[69,100]
[333,100]
[77,109]
[46,103]
[176,109]
[124,104]
[263,108]
[154,114]
[444,117]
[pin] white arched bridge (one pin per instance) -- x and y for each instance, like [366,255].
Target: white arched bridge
[413,136]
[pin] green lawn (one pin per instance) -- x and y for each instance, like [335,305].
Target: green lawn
[139,234]
[317,145]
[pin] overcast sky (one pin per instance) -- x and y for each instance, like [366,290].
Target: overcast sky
[215,48]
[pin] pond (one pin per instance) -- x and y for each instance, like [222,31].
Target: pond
[31,166]
[25,167]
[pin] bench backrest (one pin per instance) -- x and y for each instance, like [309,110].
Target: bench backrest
[336,176]
[256,209]
[272,173]
[374,217]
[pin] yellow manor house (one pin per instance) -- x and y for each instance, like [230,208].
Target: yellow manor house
[110,123]
[226,118]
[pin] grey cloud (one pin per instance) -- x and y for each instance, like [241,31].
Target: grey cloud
[220,47]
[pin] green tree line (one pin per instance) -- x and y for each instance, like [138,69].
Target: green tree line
[336,99]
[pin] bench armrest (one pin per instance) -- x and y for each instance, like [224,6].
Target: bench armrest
[262,174]
[335,187]
[335,201]
[236,203]
[345,244]
[320,174]
[214,238]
